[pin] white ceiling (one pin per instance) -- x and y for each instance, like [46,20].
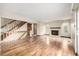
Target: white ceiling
[43,12]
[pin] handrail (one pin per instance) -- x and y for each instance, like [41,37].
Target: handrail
[19,25]
[7,23]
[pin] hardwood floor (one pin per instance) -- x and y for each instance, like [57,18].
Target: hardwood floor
[38,46]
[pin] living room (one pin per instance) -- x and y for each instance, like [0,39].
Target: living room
[47,29]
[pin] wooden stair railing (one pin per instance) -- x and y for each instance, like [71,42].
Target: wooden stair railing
[8,23]
[9,32]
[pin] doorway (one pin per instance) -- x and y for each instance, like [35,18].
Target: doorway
[29,28]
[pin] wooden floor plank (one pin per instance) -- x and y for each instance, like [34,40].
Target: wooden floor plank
[39,46]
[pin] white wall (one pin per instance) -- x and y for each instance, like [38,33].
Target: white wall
[66,29]
[44,28]
[73,33]
[41,28]
[56,23]
[47,29]
[5,21]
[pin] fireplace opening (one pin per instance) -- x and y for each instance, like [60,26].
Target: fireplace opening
[54,32]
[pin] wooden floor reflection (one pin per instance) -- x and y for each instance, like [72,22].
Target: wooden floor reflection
[38,46]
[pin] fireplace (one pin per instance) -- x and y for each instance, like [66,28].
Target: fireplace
[54,32]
